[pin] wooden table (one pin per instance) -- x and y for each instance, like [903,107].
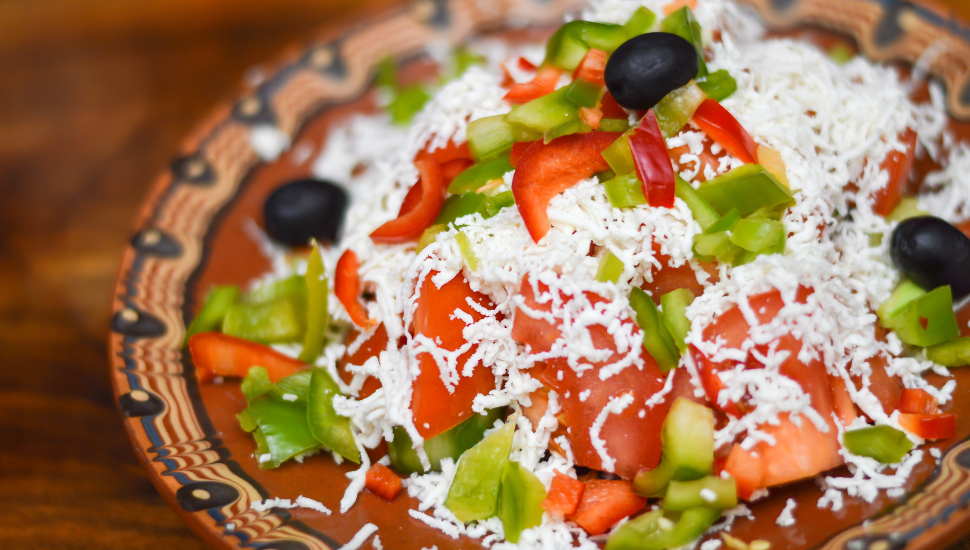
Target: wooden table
[94,100]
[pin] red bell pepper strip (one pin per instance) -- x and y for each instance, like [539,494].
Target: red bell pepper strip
[564,496]
[930,426]
[612,109]
[898,164]
[653,162]
[604,503]
[518,149]
[917,401]
[544,83]
[546,170]
[592,67]
[381,481]
[526,65]
[346,285]
[216,354]
[723,128]
[411,224]
[447,153]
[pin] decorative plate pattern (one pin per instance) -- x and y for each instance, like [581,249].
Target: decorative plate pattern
[166,411]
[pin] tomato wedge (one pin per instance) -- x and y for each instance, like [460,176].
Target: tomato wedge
[544,83]
[346,286]
[898,164]
[723,128]
[706,160]
[371,348]
[652,162]
[592,67]
[412,223]
[545,170]
[604,503]
[917,401]
[435,409]
[666,278]
[930,426]
[217,354]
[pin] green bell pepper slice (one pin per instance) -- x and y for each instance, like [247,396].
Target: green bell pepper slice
[926,320]
[673,311]
[576,126]
[619,156]
[475,490]
[584,93]
[646,532]
[639,23]
[284,428]
[907,208]
[716,246]
[495,203]
[683,24]
[406,103]
[492,136]
[449,444]
[614,125]
[324,423]
[569,44]
[519,501]
[465,246]
[430,234]
[952,353]
[637,533]
[903,294]
[747,188]
[548,111]
[290,287]
[756,235]
[725,223]
[217,303]
[297,384]
[883,443]
[280,321]
[675,110]
[687,442]
[625,191]
[610,268]
[256,383]
[703,212]
[317,314]
[476,176]
[656,337]
[246,421]
[708,491]
[457,206]
[719,85]
[840,54]
[691,524]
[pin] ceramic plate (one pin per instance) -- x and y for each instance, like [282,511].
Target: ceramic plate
[191,234]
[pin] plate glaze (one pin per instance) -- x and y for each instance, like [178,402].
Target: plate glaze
[191,235]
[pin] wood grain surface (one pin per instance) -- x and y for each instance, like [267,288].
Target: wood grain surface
[94,100]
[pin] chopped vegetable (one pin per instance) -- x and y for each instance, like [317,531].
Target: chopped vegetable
[898,164]
[656,337]
[406,103]
[674,315]
[381,481]
[756,235]
[724,129]
[214,308]
[215,354]
[703,212]
[926,320]
[492,136]
[618,155]
[640,533]
[688,448]
[283,429]
[466,251]
[610,269]
[520,501]
[449,444]
[346,286]
[883,443]
[676,109]
[708,491]
[907,208]
[480,174]
[327,426]
[930,426]
[683,24]
[747,188]
[548,111]
[564,495]
[640,22]
[576,126]
[543,84]
[952,353]
[917,401]
[411,225]
[584,93]
[625,191]
[773,163]
[653,162]
[316,313]
[474,493]
[279,321]
[614,125]
[569,44]
[591,68]
[604,503]
[430,235]
[719,85]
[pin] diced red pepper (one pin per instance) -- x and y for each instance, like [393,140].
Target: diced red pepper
[544,83]
[381,481]
[930,426]
[898,164]
[217,354]
[412,224]
[653,162]
[724,129]
[518,149]
[604,503]
[346,286]
[592,67]
[591,117]
[917,401]
[545,170]
[564,495]
[526,65]
[612,109]
[434,408]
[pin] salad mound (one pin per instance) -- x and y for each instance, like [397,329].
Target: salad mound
[619,285]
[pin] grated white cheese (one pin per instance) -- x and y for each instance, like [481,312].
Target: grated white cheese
[360,538]
[786,518]
[300,502]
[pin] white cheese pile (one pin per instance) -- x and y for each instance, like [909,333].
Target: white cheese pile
[832,125]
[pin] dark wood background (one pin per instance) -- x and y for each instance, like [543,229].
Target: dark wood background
[94,99]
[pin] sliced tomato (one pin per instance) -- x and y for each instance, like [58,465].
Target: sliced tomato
[545,170]
[381,481]
[917,401]
[371,348]
[666,279]
[604,503]
[723,128]
[747,470]
[887,389]
[544,83]
[535,332]
[411,224]
[898,164]
[592,67]
[217,354]
[518,149]
[930,426]
[842,401]
[434,407]
[564,496]
[346,286]
[708,161]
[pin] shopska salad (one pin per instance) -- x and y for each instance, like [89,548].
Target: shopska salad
[622,285]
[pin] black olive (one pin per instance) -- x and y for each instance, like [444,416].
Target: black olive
[644,69]
[303,209]
[932,253]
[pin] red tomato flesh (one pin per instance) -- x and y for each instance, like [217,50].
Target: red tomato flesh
[604,503]
[371,348]
[217,354]
[667,279]
[564,495]
[898,164]
[917,401]
[930,426]
[612,109]
[435,409]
